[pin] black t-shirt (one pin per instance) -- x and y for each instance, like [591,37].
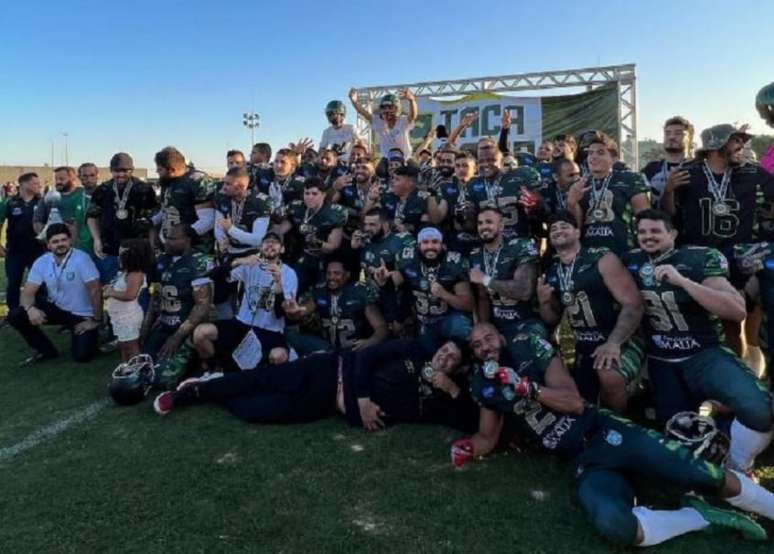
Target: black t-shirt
[20,235]
[141,204]
[705,225]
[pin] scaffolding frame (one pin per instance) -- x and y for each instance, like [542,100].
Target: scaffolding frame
[623,76]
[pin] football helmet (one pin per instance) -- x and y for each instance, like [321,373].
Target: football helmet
[764,103]
[390,100]
[700,434]
[335,106]
[132,380]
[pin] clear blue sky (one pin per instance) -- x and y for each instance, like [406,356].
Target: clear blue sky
[136,76]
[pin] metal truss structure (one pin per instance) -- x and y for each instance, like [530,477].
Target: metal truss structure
[623,76]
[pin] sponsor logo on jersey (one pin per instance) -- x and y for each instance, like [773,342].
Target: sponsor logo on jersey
[675,343]
[552,439]
[598,231]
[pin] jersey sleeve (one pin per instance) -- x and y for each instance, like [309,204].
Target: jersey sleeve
[204,190]
[526,251]
[637,185]
[715,264]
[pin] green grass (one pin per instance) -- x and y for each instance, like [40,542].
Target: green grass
[199,480]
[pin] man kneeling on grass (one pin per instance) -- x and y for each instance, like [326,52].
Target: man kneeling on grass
[396,381]
[529,382]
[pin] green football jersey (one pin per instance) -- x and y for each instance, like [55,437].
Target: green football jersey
[255,206]
[608,212]
[314,228]
[73,208]
[500,265]
[179,198]
[418,275]
[676,326]
[530,357]
[592,311]
[177,278]
[503,192]
[343,314]
[407,215]
[390,250]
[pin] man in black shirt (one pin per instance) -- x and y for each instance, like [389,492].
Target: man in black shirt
[21,247]
[395,381]
[121,208]
[678,137]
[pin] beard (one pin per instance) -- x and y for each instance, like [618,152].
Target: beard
[446,172]
[377,236]
[428,261]
[673,149]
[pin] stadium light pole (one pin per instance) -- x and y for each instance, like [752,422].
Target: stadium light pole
[66,148]
[251,120]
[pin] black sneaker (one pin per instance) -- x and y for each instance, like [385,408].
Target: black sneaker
[36,358]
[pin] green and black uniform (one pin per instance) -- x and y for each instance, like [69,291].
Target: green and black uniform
[390,250]
[437,320]
[311,229]
[281,191]
[687,361]
[179,198]
[343,314]
[511,317]
[408,213]
[22,247]
[176,277]
[242,215]
[459,226]
[607,450]
[503,193]
[592,312]
[608,212]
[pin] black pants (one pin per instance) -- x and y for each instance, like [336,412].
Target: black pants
[299,391]
[15,265]
[83,346]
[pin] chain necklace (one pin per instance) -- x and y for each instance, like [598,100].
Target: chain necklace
[237,209]
[718,190]
[58,274]
[648,270]
[121,200]
[493,189]
[598,194]
[566,284]
[490,260]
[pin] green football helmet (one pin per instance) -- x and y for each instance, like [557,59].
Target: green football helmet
[390,100]
[132,380]
[335,106]
[764,103]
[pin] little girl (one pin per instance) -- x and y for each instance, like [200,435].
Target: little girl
[126,315]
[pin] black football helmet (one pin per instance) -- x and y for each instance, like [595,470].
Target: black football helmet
[132,380]
[700,434]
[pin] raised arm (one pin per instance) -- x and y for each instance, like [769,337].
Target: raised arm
[359,108]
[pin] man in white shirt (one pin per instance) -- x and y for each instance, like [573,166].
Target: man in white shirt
[74,299]
[339,136]
[391,129]
[268,283]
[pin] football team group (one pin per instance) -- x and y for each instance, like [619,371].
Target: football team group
[439,284]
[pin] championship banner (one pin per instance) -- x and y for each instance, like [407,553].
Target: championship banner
[532,118]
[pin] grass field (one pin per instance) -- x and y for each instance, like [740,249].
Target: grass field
[126,480]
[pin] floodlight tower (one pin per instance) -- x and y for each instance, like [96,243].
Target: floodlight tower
[251,120]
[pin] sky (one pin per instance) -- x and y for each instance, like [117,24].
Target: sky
[138,76]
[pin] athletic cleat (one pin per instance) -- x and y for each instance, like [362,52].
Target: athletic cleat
[726,519]
[164,403]
[208,376]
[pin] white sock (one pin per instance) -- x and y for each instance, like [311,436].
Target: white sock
[661,525]
[753,497]
[746,444]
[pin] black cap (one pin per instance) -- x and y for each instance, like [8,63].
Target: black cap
[122,160]
[408,171]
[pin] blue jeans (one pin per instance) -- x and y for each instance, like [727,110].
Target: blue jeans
[107,267]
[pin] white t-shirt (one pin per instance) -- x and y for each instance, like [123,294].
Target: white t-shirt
[397,137]
[66,283]
[257,308]
[336,138]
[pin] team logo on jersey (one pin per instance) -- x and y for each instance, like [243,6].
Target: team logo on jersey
[70,276]
[613,437]
[648,275]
